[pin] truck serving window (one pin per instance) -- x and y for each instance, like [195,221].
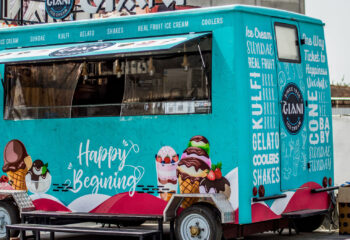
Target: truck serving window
[173,81]
[287,42]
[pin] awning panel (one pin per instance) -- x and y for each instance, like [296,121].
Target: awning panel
[54,52]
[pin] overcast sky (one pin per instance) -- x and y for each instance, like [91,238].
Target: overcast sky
[336,15]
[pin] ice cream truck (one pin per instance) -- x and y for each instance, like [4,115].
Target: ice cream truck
[217,120]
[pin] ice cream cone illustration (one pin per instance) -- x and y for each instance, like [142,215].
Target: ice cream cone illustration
[193,167]
[16,164]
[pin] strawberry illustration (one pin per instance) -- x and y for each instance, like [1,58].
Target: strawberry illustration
[4,179]
[158,158]
[167,159]
[217,171]
[176,158]
[211,175]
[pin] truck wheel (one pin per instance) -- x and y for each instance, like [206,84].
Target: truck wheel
[198,222]
[8,215]
[309,224]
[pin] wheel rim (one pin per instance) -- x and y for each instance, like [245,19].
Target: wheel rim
[195,226]
[4,220]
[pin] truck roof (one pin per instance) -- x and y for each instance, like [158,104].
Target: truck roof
[198,11]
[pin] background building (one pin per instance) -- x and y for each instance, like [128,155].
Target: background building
[22,12]
[290,5]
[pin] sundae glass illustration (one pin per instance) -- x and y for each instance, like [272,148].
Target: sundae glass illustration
[38,178]
[166,164]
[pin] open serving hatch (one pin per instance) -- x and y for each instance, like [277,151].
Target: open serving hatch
[145,76]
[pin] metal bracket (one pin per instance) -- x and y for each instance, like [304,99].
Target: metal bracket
[318,190]
[218,199]
[277,196]
[21,198]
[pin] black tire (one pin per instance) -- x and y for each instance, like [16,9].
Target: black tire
[200,217]
[309,224]
[9,214]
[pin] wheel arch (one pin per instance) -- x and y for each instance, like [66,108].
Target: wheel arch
[218,201]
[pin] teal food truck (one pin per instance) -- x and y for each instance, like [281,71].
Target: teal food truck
[216,119]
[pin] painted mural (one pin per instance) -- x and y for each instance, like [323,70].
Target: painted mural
[22,173]
[196,171]
[166,164]
[108,169]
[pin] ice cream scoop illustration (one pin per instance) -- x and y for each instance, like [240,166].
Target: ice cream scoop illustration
[215,182]
[166,164]
[38,178]
[197,153]
[200,142]
[16,164]
[190,172]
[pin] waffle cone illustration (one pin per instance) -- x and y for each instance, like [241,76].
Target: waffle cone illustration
[17,179]
[16,164]
[188,186]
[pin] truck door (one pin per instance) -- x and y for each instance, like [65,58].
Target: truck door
[292,98]
[319,109]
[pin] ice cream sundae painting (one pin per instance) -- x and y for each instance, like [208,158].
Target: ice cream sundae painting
[166,164]
[197,174]
[22,173]
[38,178]
[215,182]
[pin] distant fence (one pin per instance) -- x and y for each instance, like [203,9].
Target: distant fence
[340,105]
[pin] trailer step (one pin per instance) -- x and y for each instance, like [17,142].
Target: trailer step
[304,213]
[293,216]
[88,216]
[124,232]
[49,217]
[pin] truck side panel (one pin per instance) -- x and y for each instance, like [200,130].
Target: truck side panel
[108,164]
[269,79]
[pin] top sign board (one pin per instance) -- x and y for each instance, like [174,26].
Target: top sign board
[60,9]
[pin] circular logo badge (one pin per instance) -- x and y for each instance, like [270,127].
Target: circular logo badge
[292,108]
[59,9]
[80,49]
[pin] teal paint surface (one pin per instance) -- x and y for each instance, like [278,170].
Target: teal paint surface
[71,147]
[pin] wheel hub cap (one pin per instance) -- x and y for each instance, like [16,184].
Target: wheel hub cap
[195,227]
[195,231]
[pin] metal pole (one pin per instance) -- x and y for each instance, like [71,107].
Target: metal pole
[5,9]
[21,12]
[1,9]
